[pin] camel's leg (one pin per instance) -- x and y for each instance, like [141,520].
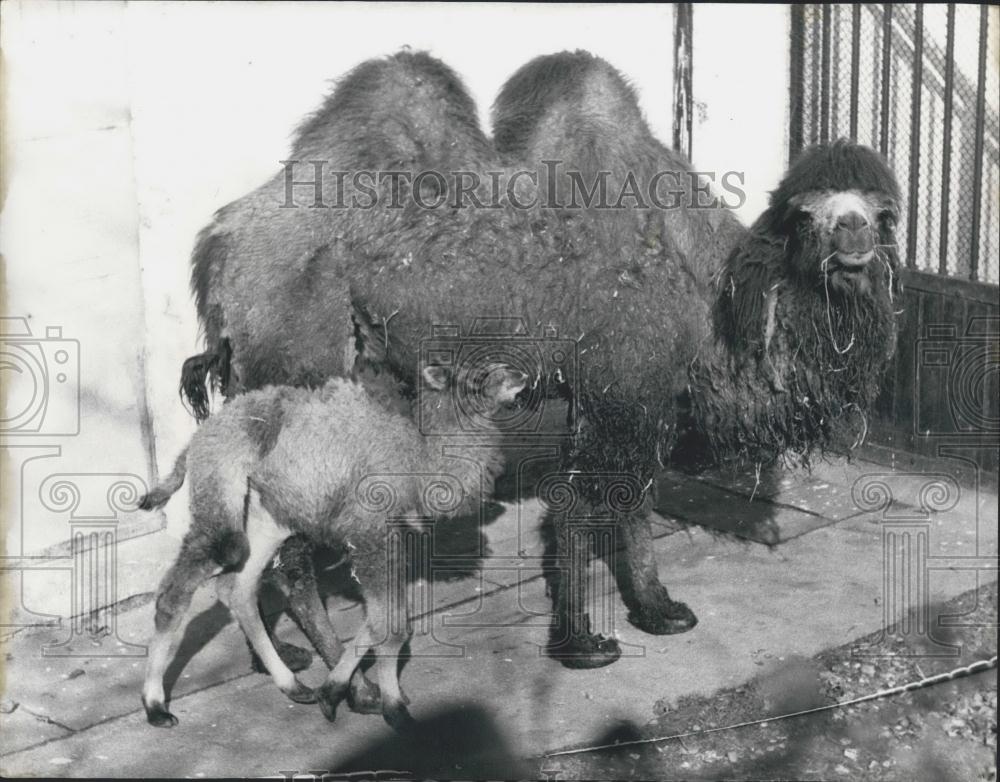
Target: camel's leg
[385,631]
[378,614]
[649,606]
[306,608]
[173,599]
[571,641]
[241,594]
[295,560]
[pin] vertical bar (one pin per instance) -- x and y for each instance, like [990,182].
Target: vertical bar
[883,143]
[815,50]
[683,98]
[836,76]
[977,159]
[824,104]
[916,96]
[796,77]
[855,67]
[949,96]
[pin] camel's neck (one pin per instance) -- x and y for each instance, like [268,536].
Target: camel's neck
[807,382]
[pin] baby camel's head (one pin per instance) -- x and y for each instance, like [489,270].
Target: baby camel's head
[467,399]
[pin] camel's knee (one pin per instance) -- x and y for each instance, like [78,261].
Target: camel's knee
[168,609]
[178,587]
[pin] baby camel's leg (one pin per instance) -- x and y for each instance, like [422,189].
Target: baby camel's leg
[192,567]
[385,631]
[307,610]
[297,577]
[379,615]
[240,590]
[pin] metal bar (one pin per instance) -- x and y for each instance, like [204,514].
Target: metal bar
[883,143]
[824,94]
[815,52]
[836,77]
[683,97]
[916,96]
[977,158]
[949,95]
[797,68]
[855,67]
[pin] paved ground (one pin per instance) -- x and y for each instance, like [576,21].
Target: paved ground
[487,700]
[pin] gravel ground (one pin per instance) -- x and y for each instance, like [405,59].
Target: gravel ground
[946,731]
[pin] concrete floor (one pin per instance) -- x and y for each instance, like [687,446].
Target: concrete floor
[488,702]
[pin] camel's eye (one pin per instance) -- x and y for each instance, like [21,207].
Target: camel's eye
[888,218]
[802,222]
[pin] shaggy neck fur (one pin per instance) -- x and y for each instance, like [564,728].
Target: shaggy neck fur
[796,360]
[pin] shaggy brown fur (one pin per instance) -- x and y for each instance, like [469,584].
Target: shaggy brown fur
[669,332]
[337,467]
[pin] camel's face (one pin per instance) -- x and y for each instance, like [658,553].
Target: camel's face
[481,388]
[842,240]
[836,210]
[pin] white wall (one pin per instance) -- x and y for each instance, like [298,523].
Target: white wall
[740,75]
[70,237]
[130,123]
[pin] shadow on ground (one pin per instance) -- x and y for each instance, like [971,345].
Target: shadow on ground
[946,731]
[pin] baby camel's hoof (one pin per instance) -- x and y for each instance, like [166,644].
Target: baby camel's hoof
[365,698]
[300,693]
[399,719]
[329,697]
[158,716]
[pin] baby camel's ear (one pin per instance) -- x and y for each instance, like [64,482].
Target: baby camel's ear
[436,376]
[513,381]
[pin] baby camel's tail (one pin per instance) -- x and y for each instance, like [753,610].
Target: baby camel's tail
[158,496]
[226,547]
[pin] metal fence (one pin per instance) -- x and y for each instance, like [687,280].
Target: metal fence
[920,84]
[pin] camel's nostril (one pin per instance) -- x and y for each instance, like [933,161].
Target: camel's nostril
[852,221]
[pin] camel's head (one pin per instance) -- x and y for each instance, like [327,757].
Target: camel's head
[836,211]
[480,390]
[821,263]
[807,307]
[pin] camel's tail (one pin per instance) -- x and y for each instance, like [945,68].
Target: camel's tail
[201,373]
[159,495]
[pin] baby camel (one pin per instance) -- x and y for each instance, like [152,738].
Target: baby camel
[331,463]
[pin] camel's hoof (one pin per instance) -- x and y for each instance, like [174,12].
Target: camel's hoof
[666,619]
[329,697]
[364,699]
[300,693]
[398,718]
[158,716]
[295,657]
[585,651]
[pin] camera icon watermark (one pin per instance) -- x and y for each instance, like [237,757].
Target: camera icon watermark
[549,362]
[956,383]
[41,381]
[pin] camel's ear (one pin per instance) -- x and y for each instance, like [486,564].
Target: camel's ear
[436,376]
[514,380]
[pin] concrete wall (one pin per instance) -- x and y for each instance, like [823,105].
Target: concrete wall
[128,124]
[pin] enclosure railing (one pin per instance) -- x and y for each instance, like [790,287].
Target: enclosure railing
[911,81]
